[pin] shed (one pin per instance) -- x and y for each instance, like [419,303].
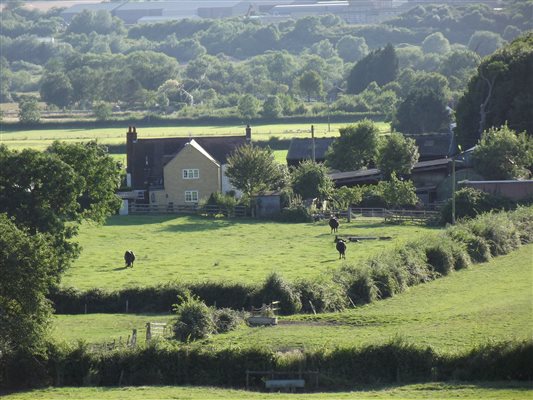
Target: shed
[515,190]
[301,149]
[268,204]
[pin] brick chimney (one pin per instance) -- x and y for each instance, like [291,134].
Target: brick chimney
[131,138]
[248,134]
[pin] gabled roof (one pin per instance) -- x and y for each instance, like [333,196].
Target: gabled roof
[148,156]
[302,149]
[194,143]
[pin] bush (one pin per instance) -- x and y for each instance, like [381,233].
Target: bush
[498,230]
[477,248]
[470,202]
[321,295]
[440,257]
[522,218]
[295,213]
[358,284]
[276,288]
[226,319]
[194,320]
[413,258]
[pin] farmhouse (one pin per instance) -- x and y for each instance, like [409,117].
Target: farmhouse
[178,171]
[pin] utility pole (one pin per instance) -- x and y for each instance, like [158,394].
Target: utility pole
[313,152]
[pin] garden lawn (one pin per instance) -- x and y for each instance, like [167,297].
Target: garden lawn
[197,249]
[42,138]
[490,301]
[498,390]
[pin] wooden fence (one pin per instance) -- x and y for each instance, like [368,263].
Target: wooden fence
[208,210]
[396,215]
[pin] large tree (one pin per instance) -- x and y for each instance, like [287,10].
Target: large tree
[397,154]
[500,93]
[355,148]
[422,111]
[43,195]
[379,66]
[310,83]
[252,169]
[502,154]
[25,261]
[310,180]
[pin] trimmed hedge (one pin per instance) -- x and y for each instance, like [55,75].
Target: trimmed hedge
[166,364]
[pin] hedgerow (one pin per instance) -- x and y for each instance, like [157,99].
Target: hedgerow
[164,363]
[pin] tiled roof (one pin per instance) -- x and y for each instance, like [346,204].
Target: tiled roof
[150,155]
[301,149]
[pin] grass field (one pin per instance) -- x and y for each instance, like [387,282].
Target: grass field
[497,390]
[490,301]
[195,249]
[40,139]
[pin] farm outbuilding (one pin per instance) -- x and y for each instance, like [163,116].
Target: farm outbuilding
[268,204]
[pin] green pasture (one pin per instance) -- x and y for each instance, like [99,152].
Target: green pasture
[42,138]
[196,249]
[496,390]
[490,301]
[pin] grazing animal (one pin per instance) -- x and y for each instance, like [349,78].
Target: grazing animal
[333,224]
[341,248]
[129,258]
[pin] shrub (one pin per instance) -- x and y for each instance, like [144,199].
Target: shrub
[194,320]
[276,288]
[295,213]
[477,248]
[358,284]
[388,277]
[498,230]
[522,219]
[321,295]
[440,256]
[413,258]
[226,319]
[470,202]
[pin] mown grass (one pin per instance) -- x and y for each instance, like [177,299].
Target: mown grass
[490,301]
[497,390]
[40,138]
[196,249]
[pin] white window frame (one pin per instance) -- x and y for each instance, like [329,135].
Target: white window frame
[191,173]
[191,196]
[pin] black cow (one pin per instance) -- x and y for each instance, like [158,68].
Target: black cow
[341,248]
[129,258]
[333,224]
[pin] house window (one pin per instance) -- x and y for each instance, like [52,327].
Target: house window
[191,174]
[191,196]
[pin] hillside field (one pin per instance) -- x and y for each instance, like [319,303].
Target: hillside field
[487,302]
[196,249]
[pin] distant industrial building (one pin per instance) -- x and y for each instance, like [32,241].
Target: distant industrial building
[352,11]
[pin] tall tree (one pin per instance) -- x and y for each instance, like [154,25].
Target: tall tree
[397,154]
[56,89]
[310,83]
[355,148]
[500,92]
[252,169]
[423,110]
[380,66]
[28,110]
[310,180]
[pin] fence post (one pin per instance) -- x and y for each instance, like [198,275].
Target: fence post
[127,306]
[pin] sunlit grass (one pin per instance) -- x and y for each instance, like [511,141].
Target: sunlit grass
[469,391]
[42,138]
[195,249]
[490,301]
